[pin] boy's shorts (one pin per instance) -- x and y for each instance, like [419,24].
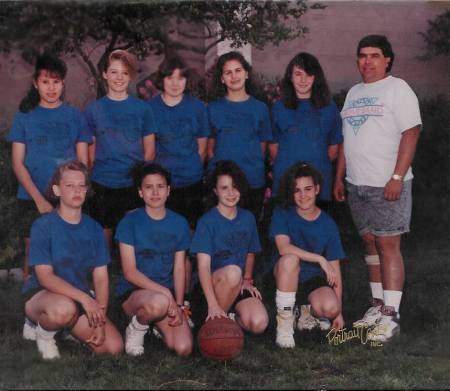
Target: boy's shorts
[372,213]
[311,285]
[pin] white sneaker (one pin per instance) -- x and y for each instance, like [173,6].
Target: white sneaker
[371,316]
[285,329]
[324,324]
[232,316]
[306,321]
[386,327]
[156,332]
[47,347]
[29,330]
[134,340]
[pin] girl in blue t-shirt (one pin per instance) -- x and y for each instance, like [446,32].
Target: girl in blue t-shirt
[181,137]
[45,133]
[123,127]
[225,242]
[309,244]
[67,249]
[153,241]
[307,125]
[240,125]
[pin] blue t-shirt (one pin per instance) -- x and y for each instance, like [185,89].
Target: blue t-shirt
[178,128]
[320,236]
[50,137]
[227,241]
[305,134]
[155,243]
[119,128]
[73,250]
[239,128]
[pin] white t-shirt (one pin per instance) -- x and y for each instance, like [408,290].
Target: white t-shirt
[374,117]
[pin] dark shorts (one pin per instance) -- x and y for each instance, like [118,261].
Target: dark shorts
[188,202]
[108,205]
[255,200]
[311,285]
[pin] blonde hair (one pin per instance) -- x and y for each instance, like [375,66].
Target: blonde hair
[127,58]
[73,165]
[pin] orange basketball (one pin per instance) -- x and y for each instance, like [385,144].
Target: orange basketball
[220,339]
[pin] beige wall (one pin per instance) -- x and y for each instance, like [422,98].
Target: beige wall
[336,30]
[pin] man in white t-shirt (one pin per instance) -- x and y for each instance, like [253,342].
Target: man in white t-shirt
[381,126]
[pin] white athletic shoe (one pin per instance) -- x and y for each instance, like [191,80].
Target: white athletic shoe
[232,316]
[285,329]
[306,321]
[47,347]
[29,330]
[156,332]
[134,340]
[386,327]
[371,316]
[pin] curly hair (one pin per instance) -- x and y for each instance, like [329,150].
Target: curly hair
[285,197]
[49,63]
[141,169]
[128,59]
[230,168]
[320,94]
[218,88]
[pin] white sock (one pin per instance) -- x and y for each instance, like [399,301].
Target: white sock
[45,334]
[138,326]
[393,299]
[285,301]
[377,290]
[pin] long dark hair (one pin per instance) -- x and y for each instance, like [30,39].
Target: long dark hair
[230,168]
[218,88]
[285,197]
[49,63]
[320,94]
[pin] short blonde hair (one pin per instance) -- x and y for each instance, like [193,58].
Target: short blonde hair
[127,58]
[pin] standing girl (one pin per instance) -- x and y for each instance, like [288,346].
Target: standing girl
[310,248]
[153,241]
[240,125]
[181,137]
[45,133]
[225,241]
[67,248]
[307,125]
[123,128]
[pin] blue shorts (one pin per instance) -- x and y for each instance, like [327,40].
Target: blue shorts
[372,213]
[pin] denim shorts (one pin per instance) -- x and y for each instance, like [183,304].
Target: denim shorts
[372,213]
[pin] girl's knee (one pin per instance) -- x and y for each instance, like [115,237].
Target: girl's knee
[328,309]
[183,348]
[232,275]
[288,264]
[259,323]
[62,313]
[157,307]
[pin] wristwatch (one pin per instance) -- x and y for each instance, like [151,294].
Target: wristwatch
[397,177]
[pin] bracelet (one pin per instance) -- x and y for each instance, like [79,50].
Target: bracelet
[249,279]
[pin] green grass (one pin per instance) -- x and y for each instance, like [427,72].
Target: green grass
[418,358]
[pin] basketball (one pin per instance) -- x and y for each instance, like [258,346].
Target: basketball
[220,339]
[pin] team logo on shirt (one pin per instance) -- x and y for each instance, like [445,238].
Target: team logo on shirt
[358,111]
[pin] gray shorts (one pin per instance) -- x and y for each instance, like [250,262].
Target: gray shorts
[373,214]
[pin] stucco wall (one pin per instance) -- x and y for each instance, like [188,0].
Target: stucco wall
[336,30]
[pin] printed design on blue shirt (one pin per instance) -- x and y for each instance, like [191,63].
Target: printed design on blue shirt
[237,122]
[358,111]
[181,132]
[131,132]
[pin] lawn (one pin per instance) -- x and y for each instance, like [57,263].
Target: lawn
[418,358]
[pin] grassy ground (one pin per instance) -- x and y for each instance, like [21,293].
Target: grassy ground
[418,358]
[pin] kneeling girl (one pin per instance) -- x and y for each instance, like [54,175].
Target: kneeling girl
[153,241]
[309,244]
[225,241]
[67,247]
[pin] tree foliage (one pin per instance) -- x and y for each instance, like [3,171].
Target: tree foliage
[437,37]
[144,27]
